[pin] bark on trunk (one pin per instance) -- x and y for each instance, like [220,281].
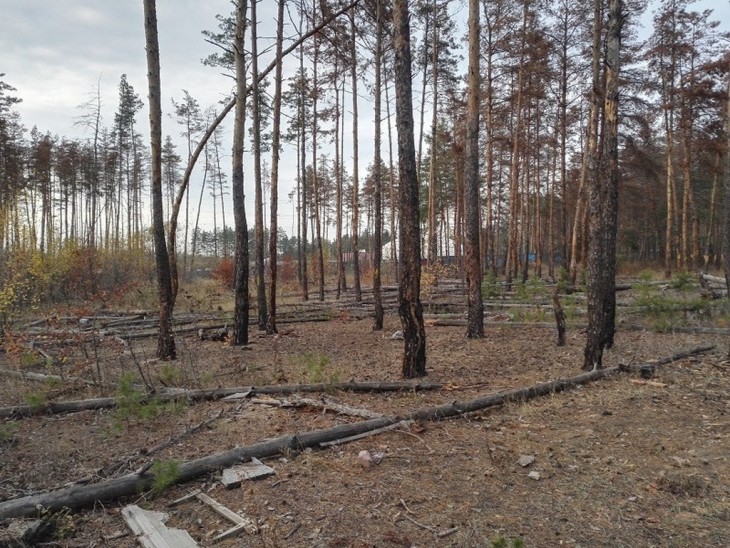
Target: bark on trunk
[241,306]
[410,307]
[604,209]
[475,329]
[165,340]
[258,183]
[378,245]
[274,199]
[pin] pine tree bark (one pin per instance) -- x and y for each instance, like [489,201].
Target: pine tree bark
[603,203]
[475,328]
[409,300]
[274,199]
[258,182]
[165,340]
[241,306]
[378,236]
[355,169]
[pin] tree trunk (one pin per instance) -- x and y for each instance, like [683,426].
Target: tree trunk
[241,307]
[603,203]
[258,183]
[315,175]
[304,276]
[409,307]
[341,286]
[355,170]
[726,200]
[432,182]
[475,329]
[512,262]
[378,236]
[165,340]
[274,200]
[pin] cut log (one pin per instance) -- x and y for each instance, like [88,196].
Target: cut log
[216,394]
[77,496]
[151,532]
[706,279]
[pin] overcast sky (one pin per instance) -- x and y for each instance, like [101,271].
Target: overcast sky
[54,52]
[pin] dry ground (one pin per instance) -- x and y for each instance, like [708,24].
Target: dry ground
[620,462]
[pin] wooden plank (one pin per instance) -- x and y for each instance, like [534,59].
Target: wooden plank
[151,532]
[233,476]
[245,522]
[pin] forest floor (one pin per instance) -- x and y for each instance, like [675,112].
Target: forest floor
[623,461]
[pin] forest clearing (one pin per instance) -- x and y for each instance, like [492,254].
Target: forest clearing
[637,458]
[413,273]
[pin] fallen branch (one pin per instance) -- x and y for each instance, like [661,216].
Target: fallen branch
[42,377]
[214,394]
[325,405]
[77,496]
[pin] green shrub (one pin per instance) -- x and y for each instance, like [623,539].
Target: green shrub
[7,431]
[166,473]
[316,366]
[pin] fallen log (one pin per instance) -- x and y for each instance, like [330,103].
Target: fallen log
[78,496]
[42,377]
[74,406]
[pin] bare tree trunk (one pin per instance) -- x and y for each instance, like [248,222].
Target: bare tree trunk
[378,236]
[581,205]
[274,200]
[165,340]
[409,307]
[475,328]
[304,280]
[432,182]
[341,286]
[315,175]
[258,183]
[241,307]
[726,201]
[355,174]
[393,199]
[710,248]
[212,127]
[512,262]
[603,204]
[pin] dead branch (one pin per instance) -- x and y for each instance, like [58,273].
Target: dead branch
[325,404]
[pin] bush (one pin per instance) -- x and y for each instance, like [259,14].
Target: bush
[225,272]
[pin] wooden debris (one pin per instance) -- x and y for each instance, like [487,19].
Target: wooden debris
[77,496]
[401,424]
[326,404]
[42,377]
[241,523]
[232,477]
[151,532]
[648,383]
[216,394]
